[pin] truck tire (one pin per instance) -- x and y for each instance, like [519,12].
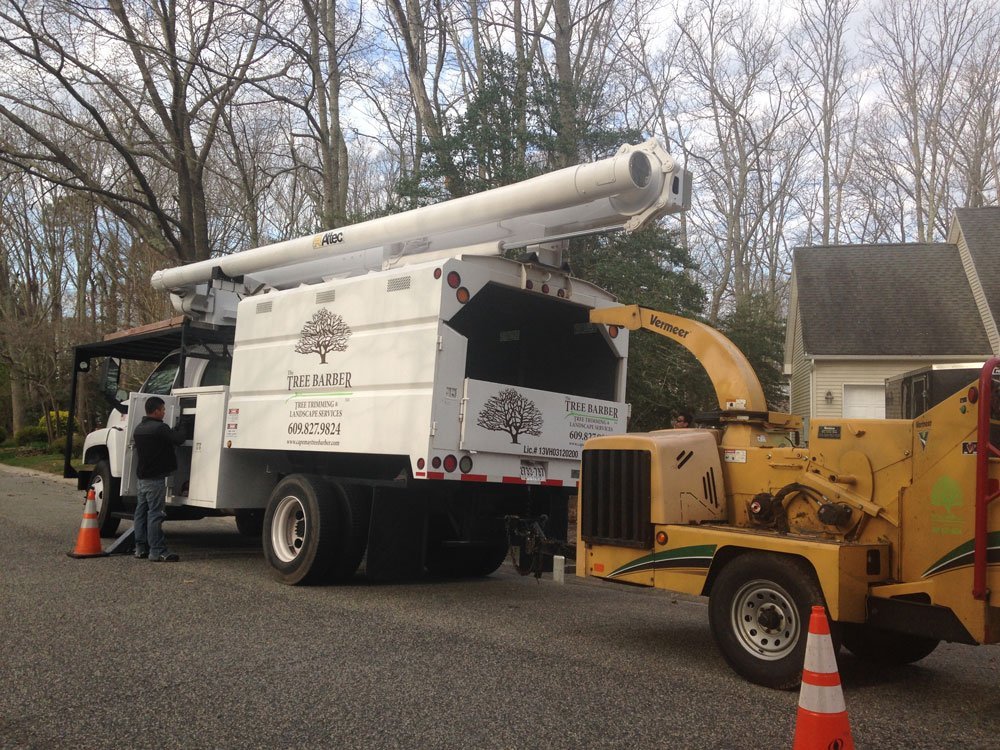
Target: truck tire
[466,560]
[250,521]
[759,611]
[106,498]
[884,646]
[311,530]
[474,554]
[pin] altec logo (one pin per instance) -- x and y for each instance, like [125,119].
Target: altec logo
[665,326]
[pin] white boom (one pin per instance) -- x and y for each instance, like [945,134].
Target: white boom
[625,191]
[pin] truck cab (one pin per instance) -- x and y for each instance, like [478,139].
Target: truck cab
[184,357]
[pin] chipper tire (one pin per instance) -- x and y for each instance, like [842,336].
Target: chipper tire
[759,615]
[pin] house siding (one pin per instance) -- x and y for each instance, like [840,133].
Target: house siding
[832,375]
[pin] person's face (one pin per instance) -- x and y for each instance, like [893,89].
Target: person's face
[681,421]
[159,413]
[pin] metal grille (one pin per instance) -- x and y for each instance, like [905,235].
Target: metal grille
[323,298]
[616,495]
[265,307]
[398,284]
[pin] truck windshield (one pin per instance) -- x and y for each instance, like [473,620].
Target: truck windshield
[161,380]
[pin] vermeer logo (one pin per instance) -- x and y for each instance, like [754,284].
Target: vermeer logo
[665,326]
[326,332]
[510,412]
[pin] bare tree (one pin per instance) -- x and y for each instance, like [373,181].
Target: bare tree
[831,103]
[922,51]
[746,148]
[155,94]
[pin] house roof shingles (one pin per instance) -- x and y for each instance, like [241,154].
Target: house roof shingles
[886,300]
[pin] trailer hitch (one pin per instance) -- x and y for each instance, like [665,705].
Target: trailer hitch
[527,534]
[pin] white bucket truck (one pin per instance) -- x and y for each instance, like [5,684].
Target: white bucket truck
[397,388]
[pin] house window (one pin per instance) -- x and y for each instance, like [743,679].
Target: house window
[864,401]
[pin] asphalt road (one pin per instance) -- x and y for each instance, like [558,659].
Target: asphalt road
[211,653]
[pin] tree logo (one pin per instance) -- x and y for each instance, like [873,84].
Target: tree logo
[510,412]
[326,332]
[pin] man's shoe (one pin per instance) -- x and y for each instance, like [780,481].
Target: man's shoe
[167,557]
[139,555]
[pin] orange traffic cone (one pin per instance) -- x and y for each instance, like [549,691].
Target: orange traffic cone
[88,541]
[822,719]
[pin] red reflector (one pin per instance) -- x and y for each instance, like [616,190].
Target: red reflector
[973,395]
[561,293]
[598,567]
[545,288]
[450,463]
[454,280]
[437,273]
[436,462]
[613,331]
[529,284]
[462,295]
[661,537]
[421,463]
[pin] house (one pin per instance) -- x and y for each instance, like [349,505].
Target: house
[859,314]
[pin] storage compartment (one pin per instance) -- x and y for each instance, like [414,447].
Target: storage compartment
[529,340]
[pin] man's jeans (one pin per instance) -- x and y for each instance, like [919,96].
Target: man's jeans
[148,518]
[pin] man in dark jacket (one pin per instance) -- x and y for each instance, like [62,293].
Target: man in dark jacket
[154,449]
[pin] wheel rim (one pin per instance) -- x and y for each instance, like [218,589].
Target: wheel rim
[765,620]
[288,529]
[97,485]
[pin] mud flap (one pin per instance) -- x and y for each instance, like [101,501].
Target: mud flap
[397,536]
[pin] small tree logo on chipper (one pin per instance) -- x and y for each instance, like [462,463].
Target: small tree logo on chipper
[326,332]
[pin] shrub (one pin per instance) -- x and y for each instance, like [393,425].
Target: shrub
[28,435]
[3,435]
[59,421]
[58,446]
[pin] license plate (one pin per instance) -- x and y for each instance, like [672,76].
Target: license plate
[532,472]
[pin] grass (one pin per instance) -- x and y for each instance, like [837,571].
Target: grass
[31,457]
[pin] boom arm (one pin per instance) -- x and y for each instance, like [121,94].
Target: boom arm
[736,385]
[636,185]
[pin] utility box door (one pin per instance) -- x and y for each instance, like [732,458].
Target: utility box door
[207,408]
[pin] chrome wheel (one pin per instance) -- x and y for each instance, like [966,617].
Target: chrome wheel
[288,529]
[97,485]
[765,620]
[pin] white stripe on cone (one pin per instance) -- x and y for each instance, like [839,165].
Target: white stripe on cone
[819,654]
[822,699]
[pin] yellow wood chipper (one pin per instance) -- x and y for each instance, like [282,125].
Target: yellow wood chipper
[887,523]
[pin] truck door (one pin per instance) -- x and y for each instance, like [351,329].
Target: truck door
[136,411]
